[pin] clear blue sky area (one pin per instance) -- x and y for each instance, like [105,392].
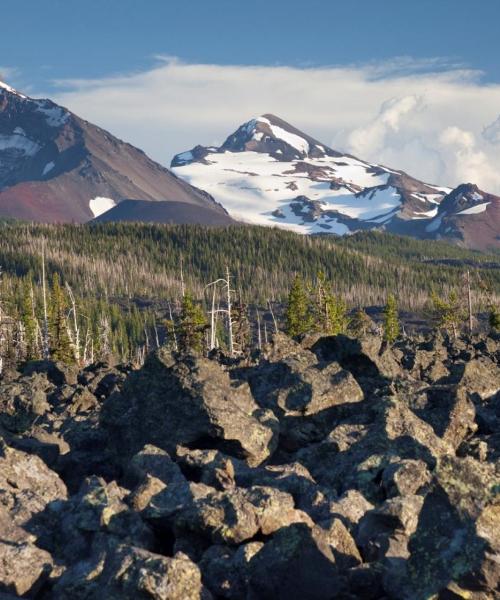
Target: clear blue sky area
[54,39]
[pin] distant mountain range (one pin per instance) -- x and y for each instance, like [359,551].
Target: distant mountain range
[269,173]
[56,167]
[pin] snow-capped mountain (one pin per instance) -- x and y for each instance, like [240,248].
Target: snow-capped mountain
[55,166]
[270,173]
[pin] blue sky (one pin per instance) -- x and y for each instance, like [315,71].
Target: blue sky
[67,38]
[412,85]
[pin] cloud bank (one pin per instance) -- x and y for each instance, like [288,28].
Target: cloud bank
[434,120]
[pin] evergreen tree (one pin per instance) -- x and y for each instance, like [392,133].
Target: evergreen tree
[331,316]
[391,320]
[447,313]
[298,316]
[494,318]
[29,322]
[192,325]
[60,347]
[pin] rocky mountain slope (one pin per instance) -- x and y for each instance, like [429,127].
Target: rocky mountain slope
[270,173]
[330,469]
[56,167]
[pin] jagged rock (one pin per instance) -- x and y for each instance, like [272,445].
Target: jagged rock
[296,563]
[238,515]
[365,357]
[27,485]
[395,434]
[450,412]
[154,462]
[456,536]
[211,467]
[121,572]
[24,567]
[385,531]
[303,395]
[225,569]
[343,546]
[480,377]
[24,401]
[191,402]
[350,507]
[99,507]
[405,478]
[58,373]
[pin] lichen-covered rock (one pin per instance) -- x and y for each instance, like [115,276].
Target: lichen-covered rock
[306,397]
[24,567]
[225,569]
[296,563]
[121,572]
[168,403]
[237,515]
[27,485]
[406,477]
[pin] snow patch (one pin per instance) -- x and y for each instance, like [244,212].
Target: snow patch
[100,205]
[19,143]
[55,115]
[48,167]
[475,210]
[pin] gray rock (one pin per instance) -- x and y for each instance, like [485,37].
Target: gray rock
[193,402]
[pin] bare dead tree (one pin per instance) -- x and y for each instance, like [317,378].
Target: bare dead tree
[45,330]
[73,333]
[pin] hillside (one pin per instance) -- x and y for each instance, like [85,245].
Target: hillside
[143,261]
[57,167]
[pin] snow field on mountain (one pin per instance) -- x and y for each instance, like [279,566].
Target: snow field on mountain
[100,205]
[251,186]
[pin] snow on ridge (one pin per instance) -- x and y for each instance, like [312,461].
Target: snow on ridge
[475,210]
[55,115]
[100,205]
[20,143]
[10,89]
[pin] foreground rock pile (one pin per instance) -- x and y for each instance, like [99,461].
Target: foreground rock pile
[329,469]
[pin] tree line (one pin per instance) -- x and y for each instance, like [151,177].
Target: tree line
[42,318]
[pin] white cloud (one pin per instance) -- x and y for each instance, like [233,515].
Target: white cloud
[491,133]
[398,113]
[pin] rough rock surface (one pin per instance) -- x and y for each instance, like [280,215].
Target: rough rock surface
[337,468]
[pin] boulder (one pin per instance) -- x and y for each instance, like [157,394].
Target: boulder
[238,515]
[24,567]
[225,569]
[306,396]
[27,485]
[296,563]
[189,402]
[121,572]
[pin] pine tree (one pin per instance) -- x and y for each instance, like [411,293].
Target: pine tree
[298,316]
[331,316]
[59,341]
[447,313]
[494,318]
[391,320]
[192,325]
